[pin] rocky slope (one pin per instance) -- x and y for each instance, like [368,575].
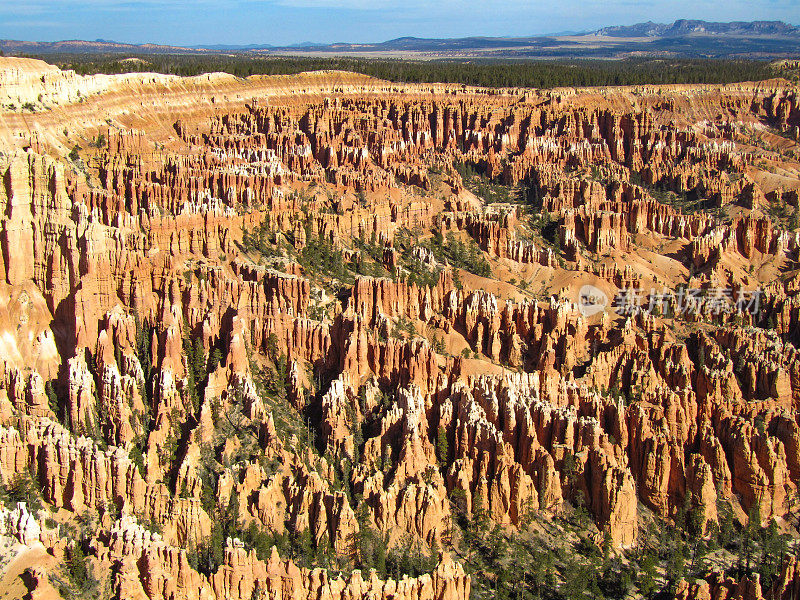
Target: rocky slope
[257,333]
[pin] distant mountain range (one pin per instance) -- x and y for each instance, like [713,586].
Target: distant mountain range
[685,27]
[84,46]
[683,38]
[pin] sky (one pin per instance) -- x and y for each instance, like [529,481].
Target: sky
[283,22]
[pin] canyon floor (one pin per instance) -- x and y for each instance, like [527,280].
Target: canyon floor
[326,336]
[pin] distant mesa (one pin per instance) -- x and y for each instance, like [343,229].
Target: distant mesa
[683,27]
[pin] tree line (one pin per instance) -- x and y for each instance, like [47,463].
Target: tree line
[484,72]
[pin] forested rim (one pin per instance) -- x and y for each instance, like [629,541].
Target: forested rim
[485,73]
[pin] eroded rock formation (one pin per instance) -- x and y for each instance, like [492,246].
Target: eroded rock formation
[269,309]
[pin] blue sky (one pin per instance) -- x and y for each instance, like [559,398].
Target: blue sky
[278,22]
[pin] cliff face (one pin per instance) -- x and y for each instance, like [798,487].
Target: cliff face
[188,330]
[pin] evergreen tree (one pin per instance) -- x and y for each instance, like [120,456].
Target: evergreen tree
[78,569]
[646,581]
[305,547]
[380,555]
[773,548]
[199,362]
[272,346]
[22,488]
[442,448]
[52,399]
[214,359]
[748,537]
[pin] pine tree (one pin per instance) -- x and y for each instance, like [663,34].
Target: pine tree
[323,551]
[23,489]
[363,541]
[280,376]
[272,346]
[214,360]
[773,548]
[480,515]
[442,448]
[199,361]
[77,568]
[143,343]
[528,511]
[433,556]
[52,399]
[380,555]
[306,547]
[747,539]
[646,581]
[213,553]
